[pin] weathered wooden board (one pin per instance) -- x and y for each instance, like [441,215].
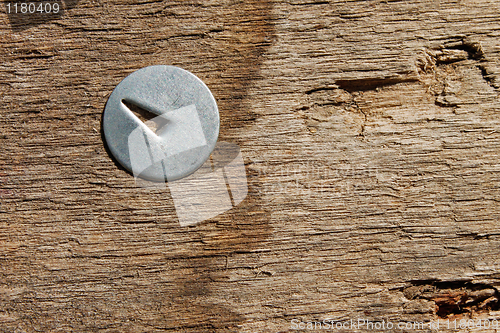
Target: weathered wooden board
[370,132]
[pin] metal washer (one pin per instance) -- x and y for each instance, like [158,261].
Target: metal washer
[166,91]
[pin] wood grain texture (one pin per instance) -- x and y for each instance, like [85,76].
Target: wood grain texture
[370,132]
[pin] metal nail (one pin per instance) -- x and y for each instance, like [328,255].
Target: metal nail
[182,133]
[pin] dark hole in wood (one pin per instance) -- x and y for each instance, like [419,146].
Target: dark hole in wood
[455,297]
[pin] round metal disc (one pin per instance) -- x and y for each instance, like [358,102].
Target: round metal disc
[182,109]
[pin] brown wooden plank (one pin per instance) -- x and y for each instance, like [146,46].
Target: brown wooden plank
[370,133]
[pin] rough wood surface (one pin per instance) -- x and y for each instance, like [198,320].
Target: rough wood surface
[370,132]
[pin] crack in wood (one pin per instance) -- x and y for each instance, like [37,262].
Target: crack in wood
[451,299]
[447,58]
[372,83]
